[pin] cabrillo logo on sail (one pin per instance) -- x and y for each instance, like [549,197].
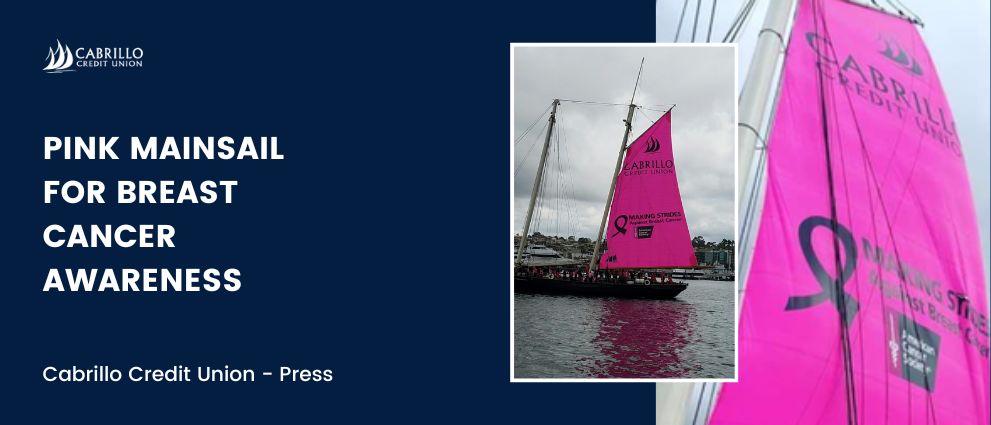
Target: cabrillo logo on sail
[652,166]
[62,58]
[653,146]
[902,58]
[866,80]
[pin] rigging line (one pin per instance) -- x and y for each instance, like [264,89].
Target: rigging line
[665,110]
[564,176]
[541,194]
[736,19]
[593,103]
[637,84]
[841,304]
[712,400]
[744,22]
[572,209]
[887,167]
[712,16]
[698,6]
[519,166]
[699,405]
[518,139]
[856,279]
[645,116]
[680,20]
[739,22]
[660,105]
[560,183]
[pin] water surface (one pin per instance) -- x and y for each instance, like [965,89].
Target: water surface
[563,336]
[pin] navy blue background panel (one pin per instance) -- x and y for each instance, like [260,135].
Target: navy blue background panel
[393,119]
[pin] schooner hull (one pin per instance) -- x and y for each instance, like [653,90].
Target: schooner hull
[660,291]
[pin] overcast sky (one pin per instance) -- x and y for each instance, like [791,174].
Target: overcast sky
[700,80]
[957,35]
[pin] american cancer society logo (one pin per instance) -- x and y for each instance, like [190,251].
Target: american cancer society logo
[62,58]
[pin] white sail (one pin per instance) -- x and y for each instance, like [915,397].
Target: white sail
[51,60]
[68,58]
[61,56]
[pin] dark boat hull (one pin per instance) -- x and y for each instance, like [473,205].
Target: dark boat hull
[660,291]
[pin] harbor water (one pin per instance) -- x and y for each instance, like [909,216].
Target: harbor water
[691,336]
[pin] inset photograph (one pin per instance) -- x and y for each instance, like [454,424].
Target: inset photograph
[623,252]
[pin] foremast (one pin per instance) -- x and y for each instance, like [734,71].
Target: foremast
[537,180]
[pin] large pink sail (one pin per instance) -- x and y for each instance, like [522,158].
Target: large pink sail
[865,298]
[647,225]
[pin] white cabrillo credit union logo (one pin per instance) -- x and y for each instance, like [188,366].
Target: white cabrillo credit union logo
[59,59]
[62,58]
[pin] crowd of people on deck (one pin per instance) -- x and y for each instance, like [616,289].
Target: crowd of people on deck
[597,276]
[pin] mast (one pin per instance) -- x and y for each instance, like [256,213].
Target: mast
[757,88]
[593,263]
[755,95]
[536,181]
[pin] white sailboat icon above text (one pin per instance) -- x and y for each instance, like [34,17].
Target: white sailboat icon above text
[60,59]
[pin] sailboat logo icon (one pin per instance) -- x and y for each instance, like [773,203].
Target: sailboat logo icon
[59,59]
[893,50]
[653,146]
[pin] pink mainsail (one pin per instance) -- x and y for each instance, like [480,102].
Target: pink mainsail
[865,301]
[647,226]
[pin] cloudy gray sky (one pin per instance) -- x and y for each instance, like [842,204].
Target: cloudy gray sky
[957,34]
[700,80]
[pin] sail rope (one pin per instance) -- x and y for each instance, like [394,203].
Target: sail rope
[712,17]
[534,123]
[680,21]
[739,22]
[640,110]
[698,7]
[519,166]
[555,213]
[658,108]
[589,102]
[571,206]
[848,377]
[698,407]
[556,162]
[712,401]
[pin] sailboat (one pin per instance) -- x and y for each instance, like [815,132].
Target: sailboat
[59,60]
[648,229]
[864,297]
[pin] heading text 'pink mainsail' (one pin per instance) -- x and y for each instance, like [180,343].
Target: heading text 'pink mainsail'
[865,298]
[647,225]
